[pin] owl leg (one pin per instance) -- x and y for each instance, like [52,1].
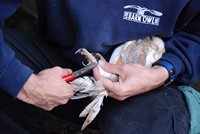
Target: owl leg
[98,56]
[89,56]
[91,88]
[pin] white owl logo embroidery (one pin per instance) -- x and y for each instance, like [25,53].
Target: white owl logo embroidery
[140,16]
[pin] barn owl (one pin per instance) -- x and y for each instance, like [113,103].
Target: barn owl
[143,51]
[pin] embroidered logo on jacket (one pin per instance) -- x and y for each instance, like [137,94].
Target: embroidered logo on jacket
[140,16]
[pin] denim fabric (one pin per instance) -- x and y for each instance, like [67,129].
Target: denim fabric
[161,111]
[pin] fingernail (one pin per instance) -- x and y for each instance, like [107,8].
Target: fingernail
[101,62]
[69,71]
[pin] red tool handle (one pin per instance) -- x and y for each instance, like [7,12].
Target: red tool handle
[69,77]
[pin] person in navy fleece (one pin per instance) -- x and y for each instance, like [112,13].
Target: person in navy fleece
[143,101]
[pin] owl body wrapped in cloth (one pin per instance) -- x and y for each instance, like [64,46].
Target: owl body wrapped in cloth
[143,51]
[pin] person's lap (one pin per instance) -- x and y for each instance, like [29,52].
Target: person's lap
[159,111]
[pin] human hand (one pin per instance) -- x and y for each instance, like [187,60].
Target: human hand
[47,89]
[134,79]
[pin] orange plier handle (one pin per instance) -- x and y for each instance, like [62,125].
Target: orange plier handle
[69,77]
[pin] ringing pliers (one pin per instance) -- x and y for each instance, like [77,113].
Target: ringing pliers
[80,72]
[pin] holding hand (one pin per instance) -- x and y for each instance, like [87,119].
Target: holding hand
[134,79]
[47,89]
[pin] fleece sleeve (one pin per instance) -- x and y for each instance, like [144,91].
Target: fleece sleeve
[183,51]
[13,74]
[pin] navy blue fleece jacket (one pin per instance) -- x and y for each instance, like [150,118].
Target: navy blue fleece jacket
[101,25]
